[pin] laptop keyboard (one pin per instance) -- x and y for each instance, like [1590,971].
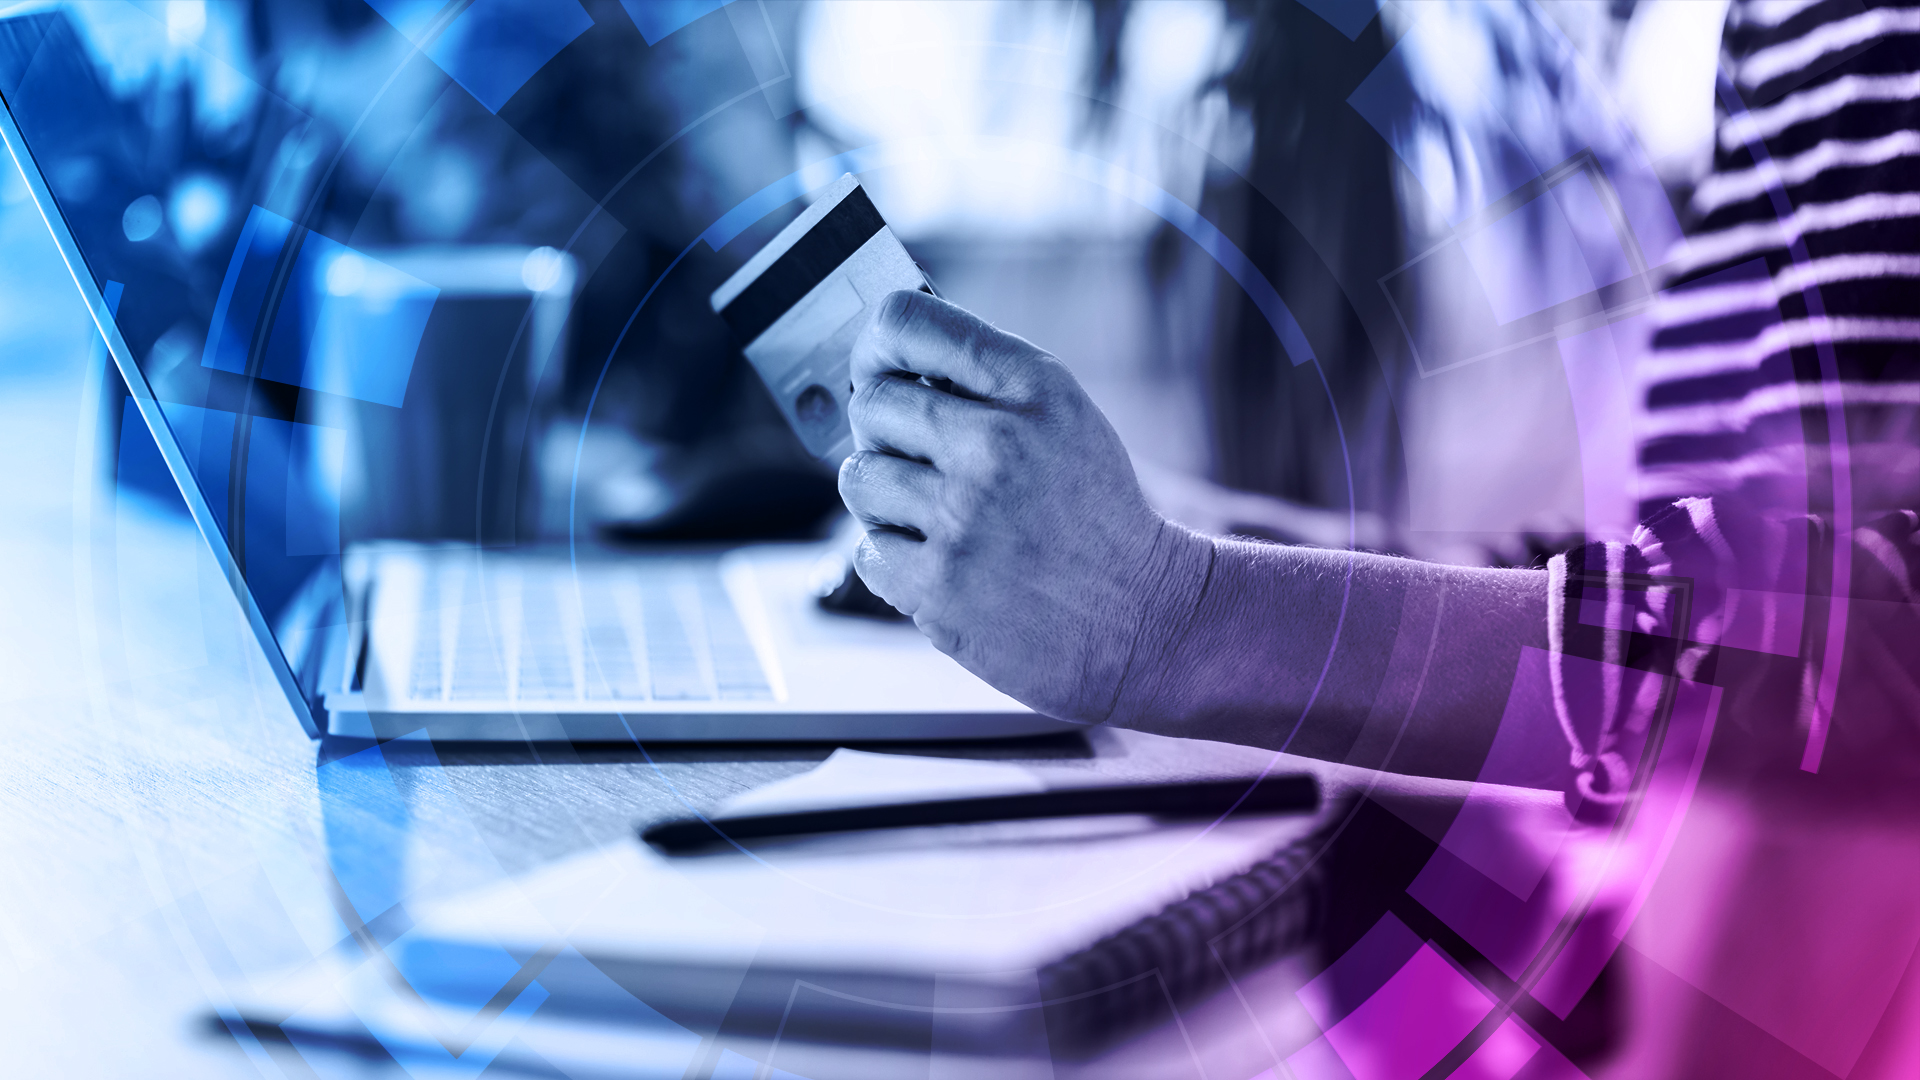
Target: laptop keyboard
[538,632]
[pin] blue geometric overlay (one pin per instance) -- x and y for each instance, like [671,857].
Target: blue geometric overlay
[140,466]
[659,18]
[1347,16]
[206,441]
[244,290]
[1421,137]
[367,825]
[494,46]
[293,490]
[346,323]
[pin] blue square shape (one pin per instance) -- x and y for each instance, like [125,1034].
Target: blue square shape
[495,46]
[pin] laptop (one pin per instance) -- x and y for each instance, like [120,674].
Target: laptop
[282,371]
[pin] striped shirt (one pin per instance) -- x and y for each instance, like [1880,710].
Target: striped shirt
[1779,417]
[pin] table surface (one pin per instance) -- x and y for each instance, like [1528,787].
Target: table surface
[169,830]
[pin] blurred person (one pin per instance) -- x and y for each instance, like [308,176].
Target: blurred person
[1417,121]
[1779,460]
[1323,236]
[632,125]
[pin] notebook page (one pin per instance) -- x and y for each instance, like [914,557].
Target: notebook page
[860,778]
[991,897]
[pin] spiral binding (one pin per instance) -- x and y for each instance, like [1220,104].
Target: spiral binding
[1187,950]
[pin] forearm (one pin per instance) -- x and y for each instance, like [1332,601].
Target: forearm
[1367,659]
[1008,525]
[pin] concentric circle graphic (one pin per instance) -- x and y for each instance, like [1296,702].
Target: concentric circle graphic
[403,527]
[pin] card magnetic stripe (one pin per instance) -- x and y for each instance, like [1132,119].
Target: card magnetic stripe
[794,274]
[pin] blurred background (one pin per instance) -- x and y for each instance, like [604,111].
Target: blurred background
[1458,204]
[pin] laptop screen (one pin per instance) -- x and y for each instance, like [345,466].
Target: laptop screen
[348,245]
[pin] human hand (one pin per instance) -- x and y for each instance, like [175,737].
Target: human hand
[1003,515]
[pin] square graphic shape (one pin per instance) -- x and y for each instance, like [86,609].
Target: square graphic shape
[367,836]
[244,291]
[343,322]
[413,18]
[1411,1022]
[1556,246]
[316,462]
[1347,16]
[1360,971]
[1496,294]
[206,441]
[495,46]
[364,331]
[1503,1055]
[657,19]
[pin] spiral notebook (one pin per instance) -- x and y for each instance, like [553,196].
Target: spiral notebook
[973,939]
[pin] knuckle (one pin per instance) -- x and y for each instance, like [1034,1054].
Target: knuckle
[1002,431]
[955,502]
[1009,358]
[855,472]
[871,566]
[866,398]
[999,448]
[877,569]
[955,512]
[923,407]
[944,636]
[874,403]
[893,399]
[897,312]
[940,574]
[1044,380]
[967,515]
[871,563]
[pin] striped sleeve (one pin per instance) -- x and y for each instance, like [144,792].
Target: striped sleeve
[1778,422]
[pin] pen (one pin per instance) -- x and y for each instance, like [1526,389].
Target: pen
[1287,793]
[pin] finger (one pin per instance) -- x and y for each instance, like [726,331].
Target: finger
[895,567]
[881,489]
[911,419]
[914,332]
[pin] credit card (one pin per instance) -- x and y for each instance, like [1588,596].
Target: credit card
[800,302]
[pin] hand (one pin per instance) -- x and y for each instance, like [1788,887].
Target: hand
[1003,515]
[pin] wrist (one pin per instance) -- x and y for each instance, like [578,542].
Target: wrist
[1173,584]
